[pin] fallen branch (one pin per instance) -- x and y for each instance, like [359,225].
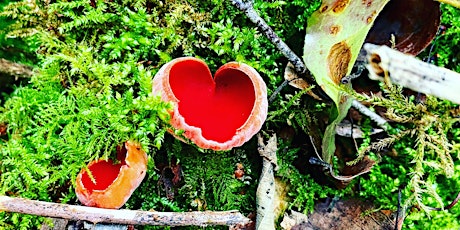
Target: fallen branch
[133,217]
[248,9]
[15,69]
[405,70]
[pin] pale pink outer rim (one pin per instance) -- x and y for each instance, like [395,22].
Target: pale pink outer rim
[244,133]
[129,178]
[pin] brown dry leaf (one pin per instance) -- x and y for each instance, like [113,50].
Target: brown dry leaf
[3,129]
[348,214]
[351,171]
[408,25]
[297,82]
[177,171]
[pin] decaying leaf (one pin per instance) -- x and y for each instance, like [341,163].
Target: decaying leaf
[351,171]
[350,214]
[297,82]
[335,34]
[292,219]
[265,196]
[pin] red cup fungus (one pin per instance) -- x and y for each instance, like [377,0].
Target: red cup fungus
[215,113]
[114,183]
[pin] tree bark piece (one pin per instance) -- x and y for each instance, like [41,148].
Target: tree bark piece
[99,215]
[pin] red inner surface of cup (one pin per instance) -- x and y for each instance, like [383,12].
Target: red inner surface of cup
[104,173]
[218,106]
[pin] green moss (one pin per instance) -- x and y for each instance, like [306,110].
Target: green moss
[14,48]
[446,49]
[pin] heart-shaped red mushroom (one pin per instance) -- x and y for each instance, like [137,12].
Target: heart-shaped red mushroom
[219,113]
[114,183]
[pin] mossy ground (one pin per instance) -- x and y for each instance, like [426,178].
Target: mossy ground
[92,92]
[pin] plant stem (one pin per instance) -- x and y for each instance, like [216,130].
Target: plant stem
[100,215]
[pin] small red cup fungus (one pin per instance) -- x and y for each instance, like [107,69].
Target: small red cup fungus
[215,113]
[114,182]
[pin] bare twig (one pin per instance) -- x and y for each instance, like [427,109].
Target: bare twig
[381,122]
[248,9]
[278,90]
[299,66]
[100,215]
[400,212]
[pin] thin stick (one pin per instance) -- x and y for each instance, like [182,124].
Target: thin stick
[100,215]
[278,90]
[398,210]
[299,66]
[248,9]
[381,122]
